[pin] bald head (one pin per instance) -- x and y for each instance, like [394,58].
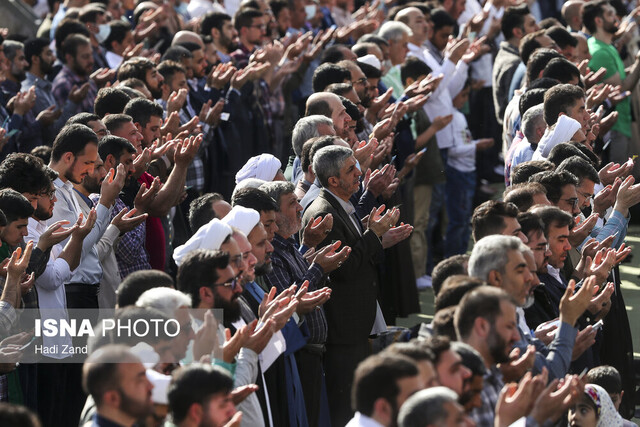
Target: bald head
[572,14]
[329,105]
[187,37]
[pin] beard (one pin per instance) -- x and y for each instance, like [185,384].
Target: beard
[230,309]
[42,214]
[528,303]
[264,268]
[156,92]
[497,346]
[610,27]
[134,407]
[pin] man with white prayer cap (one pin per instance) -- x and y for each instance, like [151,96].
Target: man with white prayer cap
[209,236]
[265,166]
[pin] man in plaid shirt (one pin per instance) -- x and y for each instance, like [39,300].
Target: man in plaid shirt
[486,320]
[77,70]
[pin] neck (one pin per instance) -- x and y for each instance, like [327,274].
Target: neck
[514,41]
[59,168]
[36,71]
[117,416]
[341,194]
[416,41]
[603,36]
[12,78]
[80,188]
[247,45]
[480,345]
[220,48]
[284,236]
[381,419]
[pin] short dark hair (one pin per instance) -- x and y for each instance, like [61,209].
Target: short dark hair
[529,44]
[245,17]
[196,383]
[438,345]
[100,372]
[327,74]
[525,170]
[376,377]
[553,216]
[333,54]
[530,223]
[538,60]
[562,70]
[543,83]
[71,44]
[310,147]
[318,107]
[118,33]
[413,350]
[82,119]
[254,198]
[72,139]
[530,98]
[513,18]
[14,205]
[24,173]
[169,68]
[547,23]
[369,71]
[488,218]
[138,282]
[15,415]
[66,28]
[441,19]
[198,269]
[590,155]
[43,152]
[201,210]
[141,110]
[339,88]
[176,53]
[135,67]
[522,195]
[34,47]
[443,323]
[561,36]
[413,67]
[471,359]
[448,267]
[481,302]
[454,288]
[213,20]
[113,122]
[190,46]
[580,168]
[114,145]
[606,377]
[110,100]
[590,11]
[373,38]
[553,182]
[559,99]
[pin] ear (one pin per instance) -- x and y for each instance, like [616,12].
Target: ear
[111,398]
[409,81]
[382,409]
[494,278]
[215,33]
[334,181]
[109,162]
[481,327]
[138,124]
[195,413]
[68,157]
[206,296]
[518,32]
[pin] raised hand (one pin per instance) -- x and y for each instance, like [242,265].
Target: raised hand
[316,230]
[145,196]
[518,365]
[102,76]
[329,259]
[573,305]
[78,94]
[112,185]
[396,234]
[379,223]
[187,150]
[127,220]
[48,116]
[55,234]
[176,102]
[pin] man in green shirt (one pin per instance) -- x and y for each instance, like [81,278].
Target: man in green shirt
[600,19]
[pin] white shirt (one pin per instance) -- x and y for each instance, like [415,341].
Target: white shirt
[90,270]
[441,101]
[462,154]
[360,420]
[113,60]
[52,300]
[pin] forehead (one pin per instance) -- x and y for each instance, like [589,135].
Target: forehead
[243,242]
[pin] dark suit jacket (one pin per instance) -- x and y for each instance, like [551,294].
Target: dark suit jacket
[351,310]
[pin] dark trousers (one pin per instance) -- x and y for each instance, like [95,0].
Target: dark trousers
[340,363]
[311,377]
[60,395]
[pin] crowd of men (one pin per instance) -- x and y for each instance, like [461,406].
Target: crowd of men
[308,167]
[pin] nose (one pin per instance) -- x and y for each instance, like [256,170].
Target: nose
[269,247]
[466,372]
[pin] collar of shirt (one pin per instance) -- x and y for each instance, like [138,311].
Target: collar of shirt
[33,80]
[72,76]
[505,45]
[435,52]
[101,421]
[554,272]
[347,206]
[361,420]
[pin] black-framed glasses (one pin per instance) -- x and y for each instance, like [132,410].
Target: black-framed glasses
[50,194]
[233,284]
[586,195]
[572,201]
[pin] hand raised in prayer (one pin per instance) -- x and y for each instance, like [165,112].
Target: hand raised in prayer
[316,230]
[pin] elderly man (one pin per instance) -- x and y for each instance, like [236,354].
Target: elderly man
[305,129]
[356,279]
